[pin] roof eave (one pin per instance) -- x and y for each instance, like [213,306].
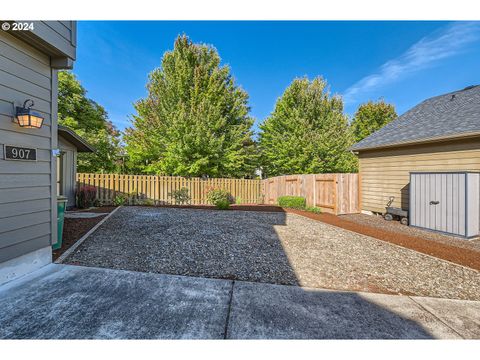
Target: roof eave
[419,141]
[81,144]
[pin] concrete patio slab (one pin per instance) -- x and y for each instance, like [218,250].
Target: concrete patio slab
[70,302]
[463,316]
[76,302]
[264,311]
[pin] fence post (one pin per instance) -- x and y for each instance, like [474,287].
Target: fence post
[335,194]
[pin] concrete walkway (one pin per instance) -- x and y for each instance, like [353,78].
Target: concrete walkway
[74,302]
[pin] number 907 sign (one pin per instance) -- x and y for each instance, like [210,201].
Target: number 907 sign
[19,153]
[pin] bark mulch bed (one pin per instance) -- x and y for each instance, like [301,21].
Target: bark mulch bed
[246,207]
[455,254]
[74,229]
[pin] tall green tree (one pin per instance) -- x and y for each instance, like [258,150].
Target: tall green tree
[89,120]
[194,121]
[370,117]
[307,132]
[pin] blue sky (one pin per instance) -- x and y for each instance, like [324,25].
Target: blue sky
[403,62]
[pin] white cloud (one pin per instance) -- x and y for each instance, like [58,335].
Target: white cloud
[442,44]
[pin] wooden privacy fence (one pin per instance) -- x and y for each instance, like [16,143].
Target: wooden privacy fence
[332,193]
[157,189]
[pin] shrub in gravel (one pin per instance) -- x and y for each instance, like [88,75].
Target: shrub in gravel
[221,198]
[294,202]
[86,196]
[180,196]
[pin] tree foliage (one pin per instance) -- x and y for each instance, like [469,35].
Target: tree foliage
[370,117]
[89,120]
[194,120]
[307,132]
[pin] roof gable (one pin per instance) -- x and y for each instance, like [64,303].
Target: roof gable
[445,116]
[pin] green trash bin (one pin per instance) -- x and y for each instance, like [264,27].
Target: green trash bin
[61,205]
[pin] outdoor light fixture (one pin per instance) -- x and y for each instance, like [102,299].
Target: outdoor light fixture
[26,118]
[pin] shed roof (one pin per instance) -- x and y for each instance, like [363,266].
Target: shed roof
[71,136]
[452,115]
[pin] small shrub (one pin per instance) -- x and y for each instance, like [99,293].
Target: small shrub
[120,200]
[313,209]
[131,198]
[294,202]
[180,196]
[222,204]
[238,200]
[221,198]
[145,202]
[86,196]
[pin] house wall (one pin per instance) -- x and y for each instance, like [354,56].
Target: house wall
[385,173]
[69,170]
[28,211]
[25,187]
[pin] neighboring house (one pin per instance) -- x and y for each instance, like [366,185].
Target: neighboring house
[29,61]
[440,134]
[69,144]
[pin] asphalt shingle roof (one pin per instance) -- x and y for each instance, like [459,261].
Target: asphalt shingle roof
[447,115]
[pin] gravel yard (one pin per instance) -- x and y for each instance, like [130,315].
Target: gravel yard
[280,248]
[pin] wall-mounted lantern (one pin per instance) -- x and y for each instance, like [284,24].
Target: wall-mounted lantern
[27,118]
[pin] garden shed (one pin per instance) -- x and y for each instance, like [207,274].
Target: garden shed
[69,144]
[447,202]
[441,134]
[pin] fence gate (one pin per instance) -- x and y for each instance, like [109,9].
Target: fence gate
[332,193]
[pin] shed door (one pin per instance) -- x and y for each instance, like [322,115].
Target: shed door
[438,202]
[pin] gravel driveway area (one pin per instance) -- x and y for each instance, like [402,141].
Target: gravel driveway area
[279,248]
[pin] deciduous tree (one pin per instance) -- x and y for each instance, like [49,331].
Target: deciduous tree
[89,120]
[370,117]
[194,121]
[307,132]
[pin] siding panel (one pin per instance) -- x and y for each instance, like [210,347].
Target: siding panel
[24,207]
[24,247]
[25,73]
[18,222]
[24,234]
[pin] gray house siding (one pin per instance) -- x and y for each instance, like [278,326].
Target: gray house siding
[29,61]
[68,168]
[26,215]
[58,39]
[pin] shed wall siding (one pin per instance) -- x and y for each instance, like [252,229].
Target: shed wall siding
[385,173]
[26,187]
